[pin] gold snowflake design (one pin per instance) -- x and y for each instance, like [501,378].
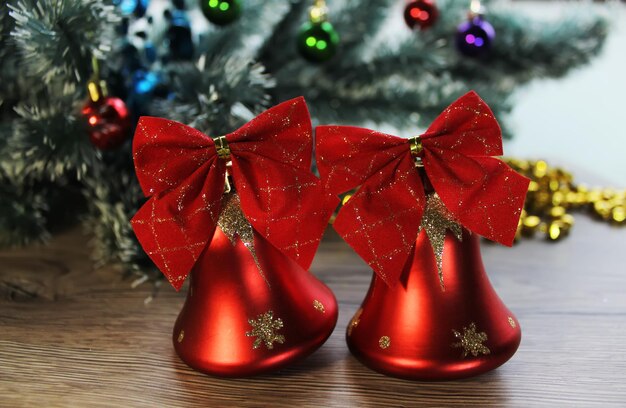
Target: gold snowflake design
[264,328]
[319,306]
[512,322]
[384,342]
[471,341]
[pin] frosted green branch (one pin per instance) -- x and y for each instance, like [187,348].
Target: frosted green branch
[60,36]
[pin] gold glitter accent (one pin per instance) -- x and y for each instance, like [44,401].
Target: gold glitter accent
[181,336]
[355,321]
[471,341]
[384,342]
[234,224]
[435,221]
[221,145]
[512,322]
[263,328]
[319,306]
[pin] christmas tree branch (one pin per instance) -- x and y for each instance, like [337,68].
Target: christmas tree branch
[527,49]
[49,141]
[217,95]
[59,37]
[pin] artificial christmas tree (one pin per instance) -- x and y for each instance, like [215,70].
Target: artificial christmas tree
[225,76]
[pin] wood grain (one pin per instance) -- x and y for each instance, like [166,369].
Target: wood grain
[74,336]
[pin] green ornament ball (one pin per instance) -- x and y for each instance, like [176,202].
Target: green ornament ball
[221,12]
[318,42]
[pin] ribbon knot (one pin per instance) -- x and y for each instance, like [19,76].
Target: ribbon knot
[415,145]
[382,219]
[221,145]
[183,171]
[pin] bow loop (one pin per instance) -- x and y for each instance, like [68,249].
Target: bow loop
[282,134]
[466,127]
[381,220]
[347,156]
[184,172]
[157,145]
[482,192]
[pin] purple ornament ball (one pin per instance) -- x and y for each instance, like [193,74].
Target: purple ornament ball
[474,37]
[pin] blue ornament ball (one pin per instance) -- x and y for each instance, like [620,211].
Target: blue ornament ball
[475,37]
[144,82]
[134,7]
[179,37]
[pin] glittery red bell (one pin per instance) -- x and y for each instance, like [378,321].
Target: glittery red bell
[250,310]
[417,330]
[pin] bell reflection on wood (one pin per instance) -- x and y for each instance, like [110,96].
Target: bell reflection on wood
[250,309]
[416,329]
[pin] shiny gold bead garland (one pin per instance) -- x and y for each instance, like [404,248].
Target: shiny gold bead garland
[552,194]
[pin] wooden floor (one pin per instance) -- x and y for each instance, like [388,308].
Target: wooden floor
[71,336]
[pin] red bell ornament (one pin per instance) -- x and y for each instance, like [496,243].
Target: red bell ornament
[252,305]
[250,311]
[417,330]
[430,313]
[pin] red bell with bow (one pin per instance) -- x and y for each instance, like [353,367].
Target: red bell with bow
[252,306]
[431,312]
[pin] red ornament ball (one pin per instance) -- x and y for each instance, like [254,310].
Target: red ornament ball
[109,122]
[421,13]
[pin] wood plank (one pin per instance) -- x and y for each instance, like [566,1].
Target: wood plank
[74,336]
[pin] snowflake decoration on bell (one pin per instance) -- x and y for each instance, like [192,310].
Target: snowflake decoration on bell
[471,341]
[264,328]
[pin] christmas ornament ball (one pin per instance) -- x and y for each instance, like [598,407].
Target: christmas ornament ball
[318,41]
[178,37]
[109,122]
[474,37]
[132,7]
[221,12]
[421,13]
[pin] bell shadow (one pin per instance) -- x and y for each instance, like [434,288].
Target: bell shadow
[314,373]
[373,387]
[312,376]
[336,366]
[321,360]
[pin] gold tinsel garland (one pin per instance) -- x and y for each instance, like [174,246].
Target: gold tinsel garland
[553,195]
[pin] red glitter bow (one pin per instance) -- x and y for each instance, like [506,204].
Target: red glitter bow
[382,220]
[184,172]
